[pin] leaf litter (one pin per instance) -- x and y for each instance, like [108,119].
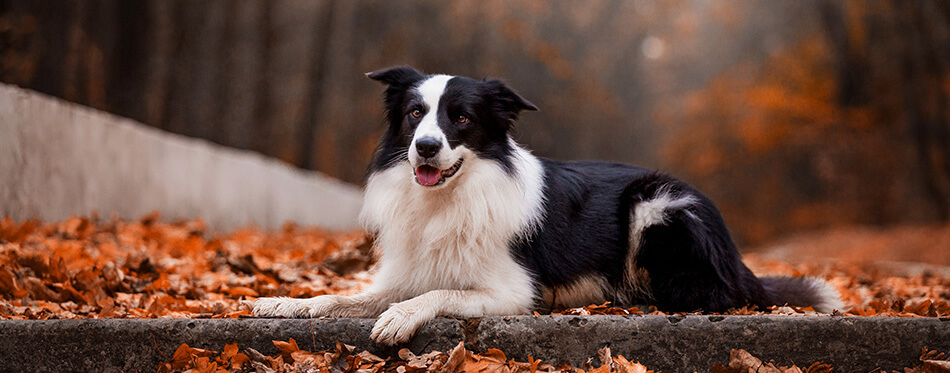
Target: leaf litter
[88,267]
[344,359]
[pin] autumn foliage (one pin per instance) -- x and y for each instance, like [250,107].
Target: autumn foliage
[87,267]
[345,359]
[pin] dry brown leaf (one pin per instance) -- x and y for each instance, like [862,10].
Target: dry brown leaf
[493,361]
[935,366]
[9,284]
[456,357]
[287,349]
[745,362]
[625,365]
[819,368]
[603,355]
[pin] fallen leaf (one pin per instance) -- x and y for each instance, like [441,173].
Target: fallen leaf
[455,359]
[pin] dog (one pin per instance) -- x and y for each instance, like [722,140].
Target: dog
[469,223]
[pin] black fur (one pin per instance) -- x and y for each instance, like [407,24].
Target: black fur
[490,105]
[692,263]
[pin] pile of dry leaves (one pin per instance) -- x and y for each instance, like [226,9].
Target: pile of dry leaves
[344,359]
[87,267]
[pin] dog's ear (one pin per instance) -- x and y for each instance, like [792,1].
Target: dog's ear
[396,76]
[504,100]
[399,79]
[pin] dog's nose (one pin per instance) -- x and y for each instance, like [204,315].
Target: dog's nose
[428,147]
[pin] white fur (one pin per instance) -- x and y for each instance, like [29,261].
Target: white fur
[444,251]
[645,214]
[531,177]
[653,211]
[830,300]
[431,91]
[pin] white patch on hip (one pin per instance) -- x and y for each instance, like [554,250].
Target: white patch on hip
[654,211]
[645,214]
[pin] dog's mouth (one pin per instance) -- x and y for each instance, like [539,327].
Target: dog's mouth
[427,175]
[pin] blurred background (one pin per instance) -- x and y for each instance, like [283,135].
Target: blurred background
[793,116]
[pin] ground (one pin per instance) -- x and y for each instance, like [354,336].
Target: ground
[91,267]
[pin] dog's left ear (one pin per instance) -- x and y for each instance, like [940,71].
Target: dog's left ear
[504,100]
[396,76]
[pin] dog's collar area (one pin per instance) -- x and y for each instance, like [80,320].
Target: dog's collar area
[443,174]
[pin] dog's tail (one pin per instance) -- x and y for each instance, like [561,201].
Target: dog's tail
[803,292]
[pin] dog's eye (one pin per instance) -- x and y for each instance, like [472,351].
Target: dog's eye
[461,119]
[416,113]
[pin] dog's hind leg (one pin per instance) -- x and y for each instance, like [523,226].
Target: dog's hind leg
[680,246]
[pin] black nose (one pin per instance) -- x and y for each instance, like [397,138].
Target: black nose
[428,147]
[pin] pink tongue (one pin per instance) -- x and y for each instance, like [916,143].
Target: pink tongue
[428,175]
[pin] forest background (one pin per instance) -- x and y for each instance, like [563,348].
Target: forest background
[793,117]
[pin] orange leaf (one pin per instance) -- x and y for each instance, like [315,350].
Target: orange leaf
[287,349]
[241,291]
[496,354]
[238,360]
[182,357]
[9,284]
[227,353]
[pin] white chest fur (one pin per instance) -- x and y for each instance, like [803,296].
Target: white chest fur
[457,236]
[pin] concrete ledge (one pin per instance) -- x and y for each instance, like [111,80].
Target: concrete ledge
[671,343]
[59,159]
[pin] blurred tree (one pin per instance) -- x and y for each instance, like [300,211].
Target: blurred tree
[847,125]
[790,115]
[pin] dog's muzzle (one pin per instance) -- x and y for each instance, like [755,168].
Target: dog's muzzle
[427,175]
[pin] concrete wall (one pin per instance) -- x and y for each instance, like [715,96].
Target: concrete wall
[58,159]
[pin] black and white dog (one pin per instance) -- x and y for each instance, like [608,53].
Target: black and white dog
[470,224]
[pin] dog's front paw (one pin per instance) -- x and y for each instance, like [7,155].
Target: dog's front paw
[280,307]
[293,307]
[400,322]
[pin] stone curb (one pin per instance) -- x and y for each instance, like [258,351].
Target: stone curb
[669,343]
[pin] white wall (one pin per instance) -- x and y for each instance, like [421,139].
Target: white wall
[59,159]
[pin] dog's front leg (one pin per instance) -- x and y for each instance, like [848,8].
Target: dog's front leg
[401,321]
[367,304]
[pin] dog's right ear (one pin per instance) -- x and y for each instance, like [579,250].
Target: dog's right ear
[396,76]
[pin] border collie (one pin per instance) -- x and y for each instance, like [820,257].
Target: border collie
[470,224]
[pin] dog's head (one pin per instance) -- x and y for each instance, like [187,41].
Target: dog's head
[438,122]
